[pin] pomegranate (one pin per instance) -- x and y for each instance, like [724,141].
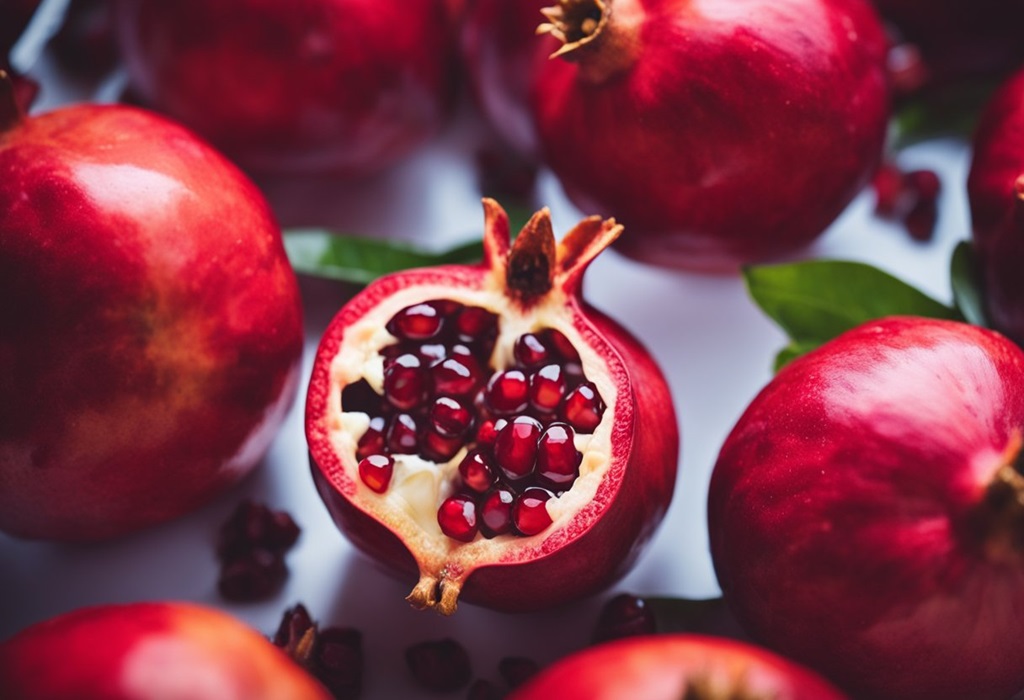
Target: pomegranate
[149,651]
[865,512]
[679,117]
[311,86]
[483,428]
[996,192]
[674,666]
[151,326]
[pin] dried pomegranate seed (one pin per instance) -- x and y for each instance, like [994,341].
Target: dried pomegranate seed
[476,471]
[890,191]
[530,351]
[402,434]
[372,442]
[416,322]
[450,417]
[920,221]
[515,448]
[496,512]
[583,408]
[558,460]
[508,392]
[439,666]
[456,375]
[547,388]
[255,526]
[624,615]
[529,512]
[256,575]
[457,518]
[406,382]
[516,670]
[375,471]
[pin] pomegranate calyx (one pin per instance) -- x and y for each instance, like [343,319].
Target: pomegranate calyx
[704,687]
[531,261]
[433,593]
[604,42]
[10,110]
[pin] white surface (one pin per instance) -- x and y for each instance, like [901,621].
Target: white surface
[714,345]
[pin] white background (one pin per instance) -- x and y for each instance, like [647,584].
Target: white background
[714,345]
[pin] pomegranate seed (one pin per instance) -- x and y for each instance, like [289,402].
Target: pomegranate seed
[438,448]
[375,471]
[372,441]
[254,576]
[530,351]
[450,417]
[416,322]
[516,670]
[457,517]
[558,460]
[474,323]
[508,392]
[890,191]
[547,388]
[625,615]
[496,512]
[560,344]
[921,219]
[457,375]
[476,471]
[441,666]
[338,661]
[529,512]
[431,353]
[515,448]
[406,382]
[255,526]
[583,408]
[488,431]
[403,434]
[925,183]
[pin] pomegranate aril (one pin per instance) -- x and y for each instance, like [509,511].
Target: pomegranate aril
[530,351]
[476,471]
[438,448]
[564,349]
[375,471]
[925,183]
[456,375]
[547,388]
[406,382]
[583,408]
[255,526]
[416,322]
[625,615]
[515,448]
[403,434]
[508,392]
[495,512]
[432,353]
[529,511]
[450,417]
[439,666]
[488,431]
[558,460]
[255,576]
[457,517]
[473,324]
[372,441]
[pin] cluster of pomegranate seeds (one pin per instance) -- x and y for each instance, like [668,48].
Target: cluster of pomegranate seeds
[518,423]
[334,655]
[909,197]
[251,546]
[439,666]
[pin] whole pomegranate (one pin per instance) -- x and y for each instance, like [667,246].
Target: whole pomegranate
[483,429]
[866,513]
[340,86]
[149,651]
[995,187]
[719,132]
[674,667]
[150,324]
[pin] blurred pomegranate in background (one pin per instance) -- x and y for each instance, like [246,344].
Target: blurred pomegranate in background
[718,132]
[309,86]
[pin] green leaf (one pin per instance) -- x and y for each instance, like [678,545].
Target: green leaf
[361,260]
[967,294]
[814,301]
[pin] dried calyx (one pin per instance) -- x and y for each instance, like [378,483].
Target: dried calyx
[601,35]
[998,522]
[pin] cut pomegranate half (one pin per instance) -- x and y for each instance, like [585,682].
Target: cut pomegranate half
[479,426]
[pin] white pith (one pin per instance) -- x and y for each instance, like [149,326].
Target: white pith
[409,506]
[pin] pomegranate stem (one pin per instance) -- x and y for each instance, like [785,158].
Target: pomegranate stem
[10,112]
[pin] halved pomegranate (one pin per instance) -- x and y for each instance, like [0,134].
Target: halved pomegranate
[485,429]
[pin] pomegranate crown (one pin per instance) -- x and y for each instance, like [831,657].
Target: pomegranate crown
[533,265]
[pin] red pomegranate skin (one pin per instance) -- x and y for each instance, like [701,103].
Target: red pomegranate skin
[310,86]
[736,132]
[996,194]
[150,328]
[149,651]
[847,505]
[673,666]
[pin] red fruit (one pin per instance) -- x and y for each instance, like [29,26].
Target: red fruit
[719,136]
[866,511]
[996,190]
[674,666]
[151,326]
[142,651]
[628,457]
[341,86]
